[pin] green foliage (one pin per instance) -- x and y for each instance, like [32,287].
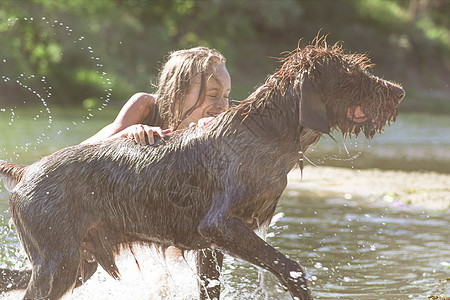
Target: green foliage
[127,41]
[388,14]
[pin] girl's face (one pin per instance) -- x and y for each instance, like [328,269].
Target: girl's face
[218,86]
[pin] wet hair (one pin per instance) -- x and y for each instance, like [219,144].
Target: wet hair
[175,78]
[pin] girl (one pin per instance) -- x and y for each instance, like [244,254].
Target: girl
[193,84]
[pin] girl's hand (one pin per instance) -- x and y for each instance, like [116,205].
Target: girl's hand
[142,133]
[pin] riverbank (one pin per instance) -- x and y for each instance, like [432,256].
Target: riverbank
[427,190]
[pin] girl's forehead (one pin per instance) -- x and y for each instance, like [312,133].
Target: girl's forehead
[220,77]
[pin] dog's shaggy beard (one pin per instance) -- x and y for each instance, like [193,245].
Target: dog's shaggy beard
[372,126]
[379,113]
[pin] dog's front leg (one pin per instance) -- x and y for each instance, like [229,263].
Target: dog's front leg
[233,237]
[209,265]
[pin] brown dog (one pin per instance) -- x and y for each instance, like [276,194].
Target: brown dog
[206,188]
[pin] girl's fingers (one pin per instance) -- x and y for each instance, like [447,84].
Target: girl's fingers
[139,133]
[143,131]
[152,131]
[138,136]
[158,131]
[151,138]
[134,135]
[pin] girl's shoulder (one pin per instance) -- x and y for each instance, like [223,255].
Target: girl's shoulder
[137,108]
[148,107]
[143,103]
[143,98]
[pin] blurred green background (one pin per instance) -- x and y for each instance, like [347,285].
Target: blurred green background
[74,45]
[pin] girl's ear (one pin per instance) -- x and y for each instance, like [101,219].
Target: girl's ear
[312,111]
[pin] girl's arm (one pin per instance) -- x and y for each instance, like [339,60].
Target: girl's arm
[128,121]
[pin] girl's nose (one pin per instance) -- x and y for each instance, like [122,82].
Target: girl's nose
[222,103]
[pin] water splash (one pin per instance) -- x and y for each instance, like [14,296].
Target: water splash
[156,279]
[38,91]
[346,151]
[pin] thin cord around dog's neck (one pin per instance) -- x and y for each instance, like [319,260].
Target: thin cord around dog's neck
[300,164]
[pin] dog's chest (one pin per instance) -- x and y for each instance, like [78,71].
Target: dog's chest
[258,207]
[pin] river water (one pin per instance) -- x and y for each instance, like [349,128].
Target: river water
[352,249]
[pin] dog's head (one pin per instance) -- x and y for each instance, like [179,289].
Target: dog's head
[338,91]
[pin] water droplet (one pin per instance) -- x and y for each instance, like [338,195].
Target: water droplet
[294,274]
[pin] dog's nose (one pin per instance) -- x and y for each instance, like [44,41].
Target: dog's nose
[400,94]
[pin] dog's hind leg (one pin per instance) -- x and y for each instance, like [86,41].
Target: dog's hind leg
[53,278]
[55,260]
[209,265]
[233,237]
[18,279]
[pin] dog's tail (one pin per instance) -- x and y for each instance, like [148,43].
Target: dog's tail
[11,174]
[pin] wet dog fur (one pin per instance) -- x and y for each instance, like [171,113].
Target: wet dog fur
[206,189]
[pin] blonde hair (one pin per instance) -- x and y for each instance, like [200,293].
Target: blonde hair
[176,77]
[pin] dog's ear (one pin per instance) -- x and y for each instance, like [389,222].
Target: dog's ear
[312,111]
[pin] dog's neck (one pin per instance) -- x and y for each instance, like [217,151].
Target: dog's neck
[271,123]
[276,120]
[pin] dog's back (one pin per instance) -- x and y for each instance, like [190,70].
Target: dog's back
[118,185]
